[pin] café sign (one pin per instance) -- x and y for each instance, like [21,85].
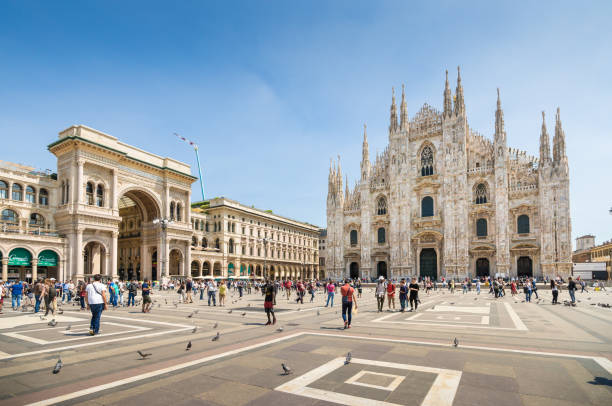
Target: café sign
[20,257]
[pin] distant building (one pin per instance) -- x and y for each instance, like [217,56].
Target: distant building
[585,242]
[322,245]
[587,251]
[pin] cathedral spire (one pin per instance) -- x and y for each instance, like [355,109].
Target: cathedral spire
[559,139]
[500,133]
[544,143]
[365,155]
[459,103]
[346,191]
[393,118]
[403,112]
[448,102]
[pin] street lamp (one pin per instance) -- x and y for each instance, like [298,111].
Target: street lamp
[163,223]
[265,243]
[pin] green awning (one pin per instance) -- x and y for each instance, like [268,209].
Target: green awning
[47,258]
[20,257]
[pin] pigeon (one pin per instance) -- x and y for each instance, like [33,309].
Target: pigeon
[176,305]
[318,312]
[286,369]
[60,311]
[230,311]
[42,317]
[280,329]
[243,314]
[299,308]
[188,346]
[196,311]
[190,315]
[143,355]
[195,328]
[52,323]
[348,359]
[475,298]
[216,338]
[216,325]
[455,342]
[68,327]
[158,305]
[58,366]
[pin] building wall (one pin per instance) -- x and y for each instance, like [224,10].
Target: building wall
[435,155]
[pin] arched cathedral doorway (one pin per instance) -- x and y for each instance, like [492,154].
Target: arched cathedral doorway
[381,269]
[354,270]
[482,267]
[428,261]
[524,267]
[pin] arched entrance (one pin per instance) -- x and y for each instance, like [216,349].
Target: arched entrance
[176,259]
[138,236]
[19,264]
[206,269]
[48,262]
[381,269]
[524,267]
[482,267]
[354,270]
[94,258]
[428,263]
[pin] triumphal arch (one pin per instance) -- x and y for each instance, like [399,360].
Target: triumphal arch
[110,193]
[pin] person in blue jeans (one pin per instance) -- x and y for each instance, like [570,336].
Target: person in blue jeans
[571,289]
[132,291]
[527,291]
[348,298]
[331,291]
[403,294]
[16,293]
[534,288]
[96,299]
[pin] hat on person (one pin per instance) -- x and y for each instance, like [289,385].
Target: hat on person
[51,279]
[382,278]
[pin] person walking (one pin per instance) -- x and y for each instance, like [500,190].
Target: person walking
[331,291]
[16,294]
[403,294]
[132,292]
[269,294]
[583,285]
[81,293]
[414,295]
[95,297]
[534,288]
[478,287]
[555,291]
[348,298]
[571,289]
[50,295]
[391,294]
[189,289]
[380,292]
[38,288]
[212,292]
[222,292]
[359,288]
[311,290]
[147,288]
[527,290]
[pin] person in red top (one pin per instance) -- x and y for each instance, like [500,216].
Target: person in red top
[348,298]
[391,294]
[288,288]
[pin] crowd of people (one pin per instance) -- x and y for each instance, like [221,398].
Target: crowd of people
[95,295]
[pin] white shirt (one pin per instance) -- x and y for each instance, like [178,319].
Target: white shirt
[94,297]
[212,286]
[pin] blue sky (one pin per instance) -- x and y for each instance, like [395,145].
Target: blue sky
[272,90]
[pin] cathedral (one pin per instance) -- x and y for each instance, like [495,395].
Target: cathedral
[444,201]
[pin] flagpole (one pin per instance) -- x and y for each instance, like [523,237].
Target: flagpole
[195,147]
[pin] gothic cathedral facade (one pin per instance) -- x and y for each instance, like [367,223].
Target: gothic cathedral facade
[444,201]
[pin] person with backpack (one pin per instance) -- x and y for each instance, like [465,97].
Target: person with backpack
[269,300]
[132,292]
[147,288]
[348,298]
[95,297]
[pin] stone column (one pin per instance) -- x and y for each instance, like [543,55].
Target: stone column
[167,201]
[114,254]
[187,265]
[61,274]
[79,182]
[188,208]
[166,249]
[35,269]
[4,269]
[114,197]
[79,268]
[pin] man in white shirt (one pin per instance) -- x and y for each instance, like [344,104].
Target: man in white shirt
[212,291]
[96,299]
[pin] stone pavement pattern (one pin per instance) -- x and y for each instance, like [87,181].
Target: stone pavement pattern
[509,353]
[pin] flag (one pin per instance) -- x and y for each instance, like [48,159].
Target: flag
[193,144]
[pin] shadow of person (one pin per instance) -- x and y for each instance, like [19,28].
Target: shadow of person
[601,381]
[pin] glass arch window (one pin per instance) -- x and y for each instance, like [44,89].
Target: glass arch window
[89,191]
[204,243]
[30,195]
[172,206]
[427,161]
[9,216]
[480,194]
[522,224]
[194,242]
[381,206]
[37,220]
[3,190]
[100,196]
[382,237]
[481,227]
[427,207]
[217,243]
[353,237]
[178,212]
[43,197]
[17,192]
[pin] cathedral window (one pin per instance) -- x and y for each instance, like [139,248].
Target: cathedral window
[481,228]
[522,224]
[427,207]
[30,195]
[100,196]
[381,206]
[4,189]
[480,194]
[172,205]
[89,192]
[382,238]
[353,237]
[427,161]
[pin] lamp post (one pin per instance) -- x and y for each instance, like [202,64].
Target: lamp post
[163,223]
[265,243]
